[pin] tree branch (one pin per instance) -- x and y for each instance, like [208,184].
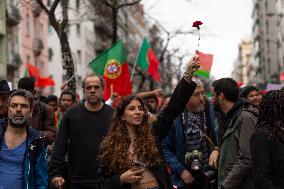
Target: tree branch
[42,6]
[128,4]
[65,14]
[108,4]
[53,6]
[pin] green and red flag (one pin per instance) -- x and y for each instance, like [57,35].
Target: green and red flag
[112,65]
[147,60]
[206,61]
[33,72]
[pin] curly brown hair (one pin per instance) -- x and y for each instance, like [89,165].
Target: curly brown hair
[113,154]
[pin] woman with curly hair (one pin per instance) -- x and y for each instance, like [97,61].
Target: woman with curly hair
[131,153]
[267,144]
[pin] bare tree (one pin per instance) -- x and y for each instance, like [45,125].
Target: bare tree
[115,6]
[59,26]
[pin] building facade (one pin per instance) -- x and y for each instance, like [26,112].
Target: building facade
[3,66]
[267,42]
[244,68]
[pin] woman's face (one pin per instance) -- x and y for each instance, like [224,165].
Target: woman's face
[133,113]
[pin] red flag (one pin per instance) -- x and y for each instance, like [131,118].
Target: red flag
[206,61]
[39,81]
[281,77]
[148,61]
[45,81]
[33,71]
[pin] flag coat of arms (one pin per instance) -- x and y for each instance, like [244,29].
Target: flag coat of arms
[112,65]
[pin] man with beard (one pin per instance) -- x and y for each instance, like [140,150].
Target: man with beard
[22,151]
[237,124]
[82,129]
[189,142]
[43,118]
[4,95]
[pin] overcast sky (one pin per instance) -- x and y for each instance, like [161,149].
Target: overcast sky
[226,23]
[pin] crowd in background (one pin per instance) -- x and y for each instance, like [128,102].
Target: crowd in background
[234,139]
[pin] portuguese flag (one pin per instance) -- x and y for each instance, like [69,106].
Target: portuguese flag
[147,60]
[206,61]
[112,65]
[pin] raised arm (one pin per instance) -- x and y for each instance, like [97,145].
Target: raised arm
[178,101]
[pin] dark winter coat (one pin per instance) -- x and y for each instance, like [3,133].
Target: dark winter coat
[267,153]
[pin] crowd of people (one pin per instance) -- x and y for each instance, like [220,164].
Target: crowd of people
[235,139]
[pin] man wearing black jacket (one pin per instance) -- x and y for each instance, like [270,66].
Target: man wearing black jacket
[82,129]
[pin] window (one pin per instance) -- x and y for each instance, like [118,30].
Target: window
[78,30]
[50,54]
[41,67]
[28,25]
[28,58]
[79,56]
[77,4]
[41,31]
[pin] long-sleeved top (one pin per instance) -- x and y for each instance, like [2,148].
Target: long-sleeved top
[160,129]
[267,153]
[80,134]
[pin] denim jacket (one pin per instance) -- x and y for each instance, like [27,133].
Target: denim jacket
[35,163]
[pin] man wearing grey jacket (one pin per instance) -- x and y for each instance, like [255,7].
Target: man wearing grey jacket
[237,125]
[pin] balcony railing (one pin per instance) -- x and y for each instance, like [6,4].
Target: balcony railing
[15,60]
[13,16]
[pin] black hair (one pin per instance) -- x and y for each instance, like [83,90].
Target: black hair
[227,86]
[24,93]
[246,90]
[27,84]
[68,93]
[42,99]
[52,98]
[152,97]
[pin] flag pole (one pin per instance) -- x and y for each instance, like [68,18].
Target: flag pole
[76,73]
[133,70]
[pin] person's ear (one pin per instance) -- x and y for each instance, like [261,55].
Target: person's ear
[221,96]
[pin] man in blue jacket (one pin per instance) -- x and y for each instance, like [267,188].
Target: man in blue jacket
[187,147]
[22,151]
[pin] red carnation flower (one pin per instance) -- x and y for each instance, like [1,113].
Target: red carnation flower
[196,24]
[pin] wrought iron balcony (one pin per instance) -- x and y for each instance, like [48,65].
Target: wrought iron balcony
[13,16]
